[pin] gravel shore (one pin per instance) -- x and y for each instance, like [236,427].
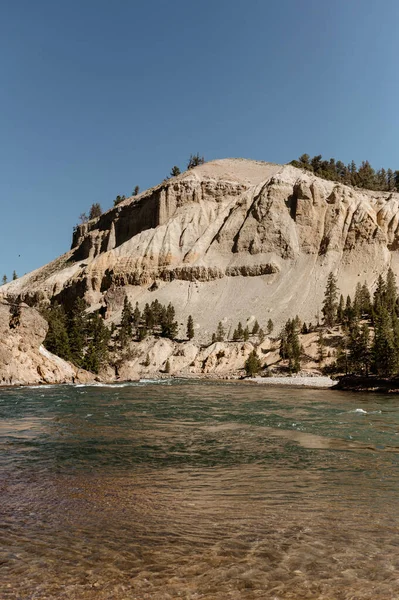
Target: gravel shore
[315,382]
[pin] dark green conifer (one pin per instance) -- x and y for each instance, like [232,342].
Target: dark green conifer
[252,364]
[77,331]
[270,327]
[98,336]
[126,331]
[57,339]
[349,313]
[190,328]
[330,304]
[290,347]
[391,292]
[175,171]
[385,358]
[169,326]
[220,333]
[379,295]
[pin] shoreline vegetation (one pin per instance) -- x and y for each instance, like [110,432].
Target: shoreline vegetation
[357,337]
[357,343]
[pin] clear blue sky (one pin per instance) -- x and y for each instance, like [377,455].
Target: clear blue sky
[98,96]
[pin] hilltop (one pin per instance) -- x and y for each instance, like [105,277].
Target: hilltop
[244,238]
[227,241]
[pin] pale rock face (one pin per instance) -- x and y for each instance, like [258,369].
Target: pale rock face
[222,358]
[225,240]
[23,359]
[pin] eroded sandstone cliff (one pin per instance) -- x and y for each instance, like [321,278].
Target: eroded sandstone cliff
[226,241]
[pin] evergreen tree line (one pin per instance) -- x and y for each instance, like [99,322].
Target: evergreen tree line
[384,180]
[242,334]
[76,336]
[290,347]
[155,319]
[370,342]
[5,279]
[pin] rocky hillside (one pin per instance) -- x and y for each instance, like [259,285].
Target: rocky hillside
[23,359]
[229,240]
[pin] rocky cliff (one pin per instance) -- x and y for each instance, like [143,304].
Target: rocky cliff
[229,240]
[23,359]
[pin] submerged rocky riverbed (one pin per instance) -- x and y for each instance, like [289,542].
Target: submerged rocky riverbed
[171,489]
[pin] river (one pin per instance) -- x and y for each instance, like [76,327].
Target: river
[198,490]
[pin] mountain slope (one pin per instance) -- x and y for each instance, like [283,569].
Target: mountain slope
[228,240]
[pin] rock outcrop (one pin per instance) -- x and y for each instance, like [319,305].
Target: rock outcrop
[23,359]
[227,241]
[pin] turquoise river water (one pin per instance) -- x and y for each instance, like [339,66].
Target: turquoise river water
[198,490]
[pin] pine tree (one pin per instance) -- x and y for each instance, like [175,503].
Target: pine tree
[77,331]
[95,211]
[255,328]
[235,336]
[379,295]
[357,303]
[136,317]
[14,275]
[342,362]
[220,333]
[240,330]
[290,346]
[167,366]
[4,279]
[136,191]
[364,349]
[190,328]
[391,292]
[366,301]
[252,364]
[261,336]
[125,331]
[98,336]
[142,333]
[169,326]
[359,350]
[385,359]
[175,171]
[270,327]
[195,161]
[57,339]
[246,334]
[349,312]
[330,301]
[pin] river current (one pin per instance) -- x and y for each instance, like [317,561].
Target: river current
[198,491]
